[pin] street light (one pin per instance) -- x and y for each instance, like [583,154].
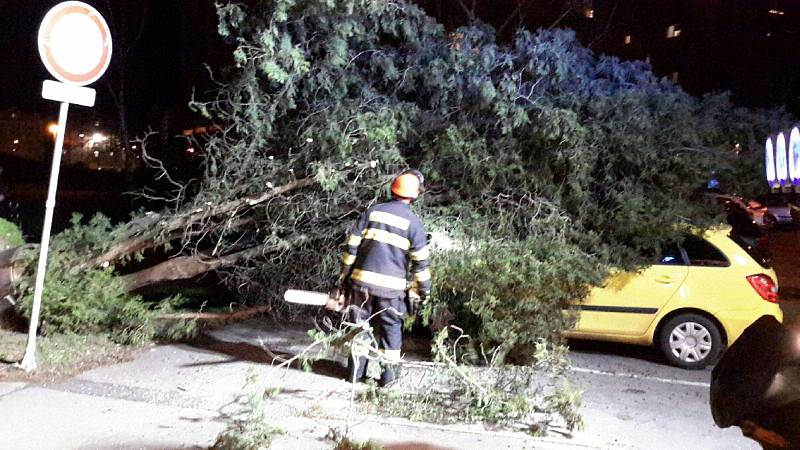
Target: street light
[97,138]
[53,129]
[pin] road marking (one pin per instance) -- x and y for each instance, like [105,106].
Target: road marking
[642,377]
[594,372]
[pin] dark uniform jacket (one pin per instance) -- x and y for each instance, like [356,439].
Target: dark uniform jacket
[380,246]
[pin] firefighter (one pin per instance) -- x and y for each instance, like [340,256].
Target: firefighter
[386,241]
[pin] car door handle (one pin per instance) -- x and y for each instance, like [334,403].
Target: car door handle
[664,279]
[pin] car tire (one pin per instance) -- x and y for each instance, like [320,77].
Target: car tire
[690,341]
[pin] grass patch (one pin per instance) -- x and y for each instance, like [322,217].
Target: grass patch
[60,356]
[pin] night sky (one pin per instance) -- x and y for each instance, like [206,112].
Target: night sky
[163,66]
[21,71]
[726,45]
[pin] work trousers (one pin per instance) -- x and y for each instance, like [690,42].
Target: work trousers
[387,322]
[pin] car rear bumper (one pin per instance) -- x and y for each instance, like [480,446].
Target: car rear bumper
[736,321]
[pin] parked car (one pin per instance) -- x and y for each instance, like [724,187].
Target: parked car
[767,214]
[775,210]
[691,304]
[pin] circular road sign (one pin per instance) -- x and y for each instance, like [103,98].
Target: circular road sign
[75,43]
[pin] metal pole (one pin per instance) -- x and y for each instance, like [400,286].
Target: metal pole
[29,360]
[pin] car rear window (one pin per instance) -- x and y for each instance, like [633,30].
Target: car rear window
[751,239]
[701,253]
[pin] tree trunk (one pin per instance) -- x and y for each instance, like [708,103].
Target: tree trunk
[138,242]
[227,317]
[184,267]
[9,273]
[141,237]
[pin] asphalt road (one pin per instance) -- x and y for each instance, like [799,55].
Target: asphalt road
[632,399]
[181,396]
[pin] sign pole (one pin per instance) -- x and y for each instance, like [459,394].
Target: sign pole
[29,360]
[75,47]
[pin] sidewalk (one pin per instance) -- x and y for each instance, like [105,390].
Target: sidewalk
[180,396]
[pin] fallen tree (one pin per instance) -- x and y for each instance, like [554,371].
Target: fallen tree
[547,165]
[555,144]
[150,232]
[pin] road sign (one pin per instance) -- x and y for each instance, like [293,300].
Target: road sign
[75,46]
[62,92]
[75,43]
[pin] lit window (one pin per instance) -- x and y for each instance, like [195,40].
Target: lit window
[628,39]
[674,77]
[589,13]
[673,31]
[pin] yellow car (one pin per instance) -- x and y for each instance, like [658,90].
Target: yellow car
[693,303]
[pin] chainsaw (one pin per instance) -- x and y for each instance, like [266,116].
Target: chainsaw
[335,299]
[312,298]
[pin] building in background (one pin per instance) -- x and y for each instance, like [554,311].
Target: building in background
[89,142]
[24,135]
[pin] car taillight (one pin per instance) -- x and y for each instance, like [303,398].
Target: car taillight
[765,287]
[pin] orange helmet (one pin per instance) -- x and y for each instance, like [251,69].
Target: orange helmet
[407,185]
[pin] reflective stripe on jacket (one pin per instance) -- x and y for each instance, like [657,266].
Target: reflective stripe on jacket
[383,243]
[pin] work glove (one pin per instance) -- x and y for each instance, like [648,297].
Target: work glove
[414,301]
[337,299]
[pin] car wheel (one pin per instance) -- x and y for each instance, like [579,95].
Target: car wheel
[690,341]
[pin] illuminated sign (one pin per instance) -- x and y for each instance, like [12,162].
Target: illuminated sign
[794,155]
[781,166]
[769,162]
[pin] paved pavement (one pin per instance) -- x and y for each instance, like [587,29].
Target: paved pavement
[181,396]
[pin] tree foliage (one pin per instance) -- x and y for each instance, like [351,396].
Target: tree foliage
[548,164]
[92,300]
[10,235]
